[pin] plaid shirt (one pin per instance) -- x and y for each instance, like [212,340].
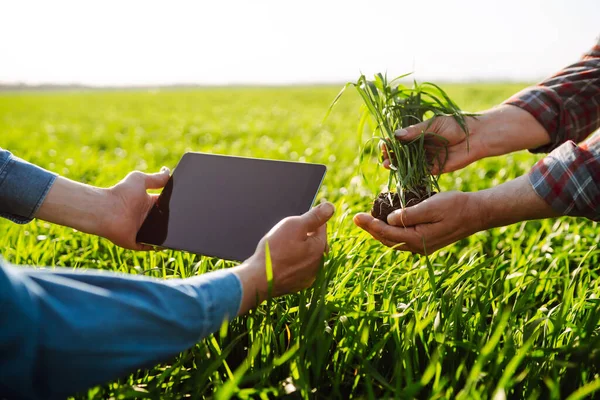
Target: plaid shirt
[568,106]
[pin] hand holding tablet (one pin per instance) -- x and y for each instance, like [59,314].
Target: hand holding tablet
[296,247]
[222,206]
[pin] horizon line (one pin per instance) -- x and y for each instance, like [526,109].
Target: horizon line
[8,86]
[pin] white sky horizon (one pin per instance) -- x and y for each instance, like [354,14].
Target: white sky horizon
[267,42]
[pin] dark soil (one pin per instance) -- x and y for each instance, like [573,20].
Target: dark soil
[382,207]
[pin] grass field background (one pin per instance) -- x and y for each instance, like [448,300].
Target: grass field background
[512,312]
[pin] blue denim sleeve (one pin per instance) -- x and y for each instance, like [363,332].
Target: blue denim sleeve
[64,331]
[23,187]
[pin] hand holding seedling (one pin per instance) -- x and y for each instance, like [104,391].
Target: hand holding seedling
[296,247]
[447,148]
[450,216]
[498,131]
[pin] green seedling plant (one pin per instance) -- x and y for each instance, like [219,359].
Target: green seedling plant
[391,105]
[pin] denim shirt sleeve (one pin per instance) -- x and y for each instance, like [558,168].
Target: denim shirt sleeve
[23,187]
[64,331]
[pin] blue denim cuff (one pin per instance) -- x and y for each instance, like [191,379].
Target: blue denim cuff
[221,292]
[23,188]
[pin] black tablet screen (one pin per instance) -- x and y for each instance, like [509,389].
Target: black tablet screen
[222,206]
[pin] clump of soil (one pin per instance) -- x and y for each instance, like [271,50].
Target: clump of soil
[382,206]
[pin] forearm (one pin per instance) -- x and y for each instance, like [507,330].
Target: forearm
[511,202]
[76,205]
[566,182]
[28,191]
[506,129]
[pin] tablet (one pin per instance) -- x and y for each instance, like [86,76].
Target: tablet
[221,206]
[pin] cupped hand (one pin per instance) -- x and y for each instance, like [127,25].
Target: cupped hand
[430,225]
[296,247]
[131,204]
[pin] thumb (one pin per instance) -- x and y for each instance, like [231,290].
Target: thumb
[421,213]
[412,132]
[157,180]
[316,217]
[320,237]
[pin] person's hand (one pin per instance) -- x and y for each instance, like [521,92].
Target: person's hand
[116,213]
[428,226]
[450,216]
[498,131]
[445,142]
[131,204]
[296,246]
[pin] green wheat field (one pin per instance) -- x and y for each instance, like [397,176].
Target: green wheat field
[508,313]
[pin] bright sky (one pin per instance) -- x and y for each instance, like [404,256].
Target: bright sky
[129,42]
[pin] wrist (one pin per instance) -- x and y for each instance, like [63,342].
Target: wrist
[480,211]
[253,277]
[487,206]
[90,215]
[506,128]
[107,213]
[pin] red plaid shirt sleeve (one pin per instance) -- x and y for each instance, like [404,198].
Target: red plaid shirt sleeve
[568,106]
[569,178]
